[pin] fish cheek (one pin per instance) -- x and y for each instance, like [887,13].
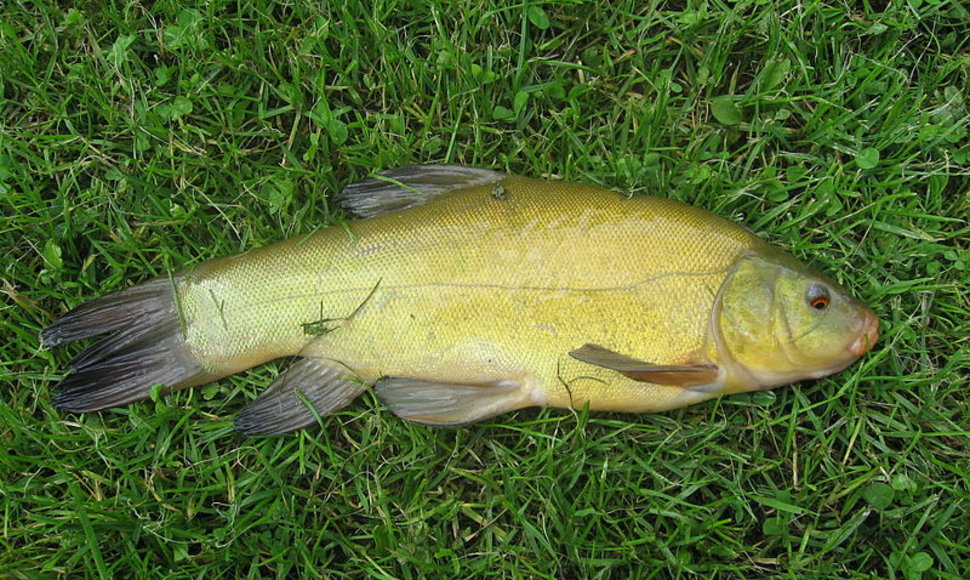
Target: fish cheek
[744,314]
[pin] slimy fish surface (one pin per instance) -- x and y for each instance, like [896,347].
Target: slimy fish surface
[465,293]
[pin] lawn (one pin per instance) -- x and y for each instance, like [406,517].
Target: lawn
[139,137]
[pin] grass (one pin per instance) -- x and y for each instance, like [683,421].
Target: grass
[137,138]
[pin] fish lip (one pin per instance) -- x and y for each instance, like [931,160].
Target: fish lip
[869,336]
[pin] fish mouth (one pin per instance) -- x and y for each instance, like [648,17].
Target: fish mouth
[869,336]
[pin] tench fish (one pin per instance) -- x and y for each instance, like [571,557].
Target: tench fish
[466,293]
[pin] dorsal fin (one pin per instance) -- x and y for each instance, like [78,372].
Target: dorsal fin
[411,186]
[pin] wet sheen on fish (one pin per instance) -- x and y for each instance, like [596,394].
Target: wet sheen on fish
[466,293]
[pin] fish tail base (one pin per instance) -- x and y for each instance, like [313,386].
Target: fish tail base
[144,347]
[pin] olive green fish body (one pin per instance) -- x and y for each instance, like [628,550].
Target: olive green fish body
[480,299]
[472,287]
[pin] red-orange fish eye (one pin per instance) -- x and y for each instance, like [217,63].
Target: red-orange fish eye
[819,297]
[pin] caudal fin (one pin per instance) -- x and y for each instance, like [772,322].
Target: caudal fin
[145,348]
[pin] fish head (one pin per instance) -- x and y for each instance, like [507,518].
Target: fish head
[777,321]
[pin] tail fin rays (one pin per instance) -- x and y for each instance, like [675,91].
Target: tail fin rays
[145,349]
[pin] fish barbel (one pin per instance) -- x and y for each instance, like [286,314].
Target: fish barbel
[467,293]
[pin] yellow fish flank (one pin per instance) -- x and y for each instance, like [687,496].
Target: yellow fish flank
[467,293]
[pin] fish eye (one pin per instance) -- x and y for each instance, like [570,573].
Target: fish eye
[819,297]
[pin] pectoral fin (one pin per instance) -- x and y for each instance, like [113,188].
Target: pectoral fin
[638,370]
[433,403]
[310,388]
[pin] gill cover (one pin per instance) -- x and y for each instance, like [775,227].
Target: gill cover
[778,321]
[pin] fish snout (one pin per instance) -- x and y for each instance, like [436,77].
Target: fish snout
[867,339]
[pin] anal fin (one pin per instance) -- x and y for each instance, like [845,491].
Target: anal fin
[442,404]
[311,387]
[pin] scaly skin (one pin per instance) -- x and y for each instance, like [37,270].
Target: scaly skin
[472,289]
